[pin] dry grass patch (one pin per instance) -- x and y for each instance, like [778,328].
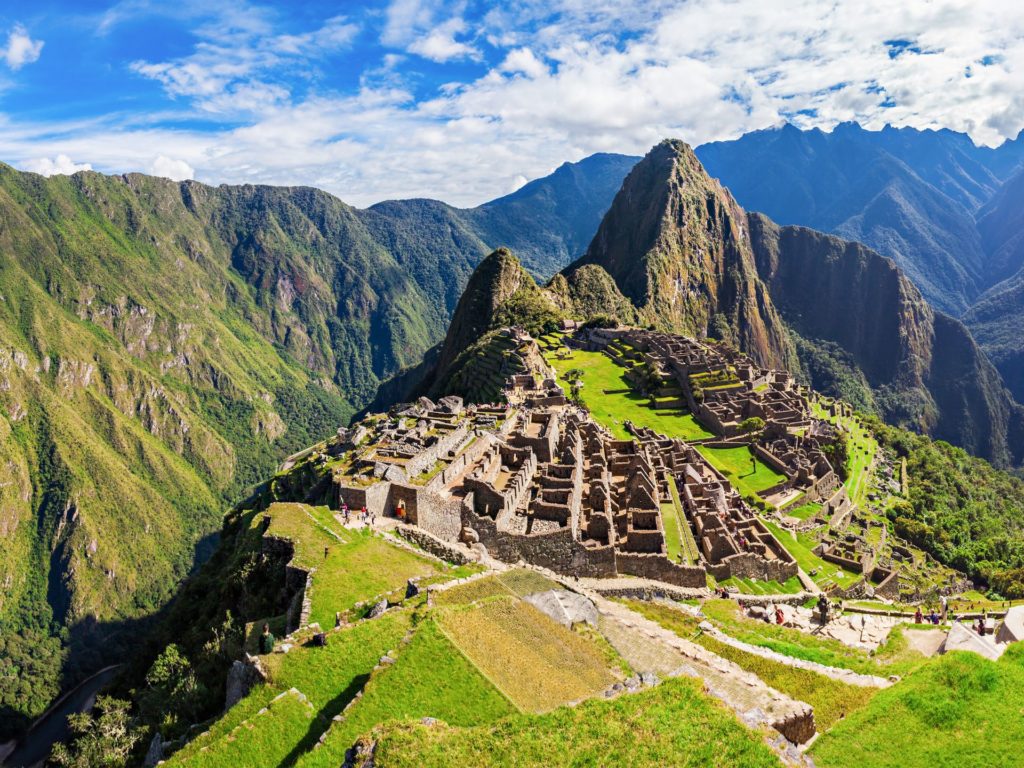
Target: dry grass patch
[537,663]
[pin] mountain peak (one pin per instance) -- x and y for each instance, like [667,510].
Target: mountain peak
[675,243]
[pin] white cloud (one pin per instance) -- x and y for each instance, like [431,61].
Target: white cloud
[440,44]
[571,78]
[168,168]
[61,165]
[21,49]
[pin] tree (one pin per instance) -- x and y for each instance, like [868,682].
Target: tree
[173,695]
[104,739]
[575,378]
[753,424]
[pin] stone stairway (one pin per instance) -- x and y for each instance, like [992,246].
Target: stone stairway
[648,647]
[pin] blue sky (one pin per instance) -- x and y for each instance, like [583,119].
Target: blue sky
[464,101]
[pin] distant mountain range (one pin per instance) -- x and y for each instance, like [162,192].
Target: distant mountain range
[946,211]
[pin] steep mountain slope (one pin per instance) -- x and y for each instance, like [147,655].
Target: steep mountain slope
[909,194]
[499,293]
[1001,224]
[674,242]
[924,368]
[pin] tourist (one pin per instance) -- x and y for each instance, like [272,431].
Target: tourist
[326,552]
[780,618]
[266,640]
[918,616]
[823,608]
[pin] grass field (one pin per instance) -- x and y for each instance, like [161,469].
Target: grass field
[357,565]
[688,545]
[959,709]
[330,676]
[673,724]
[535,662]
[757,587]
[804,511]
[832,700]
[801,546]
[746,473]
[612,402]
[430,678]
[892,657]
[519,582]
[264,740]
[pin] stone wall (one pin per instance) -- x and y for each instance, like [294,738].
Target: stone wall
[433,545]
[748,565]
[556,550]
[441,517]
[425,459]
[660,568]
[373,497]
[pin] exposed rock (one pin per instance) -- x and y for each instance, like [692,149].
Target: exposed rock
[565,607]
[242,677]
[411,589]
[155,753]
[378,609]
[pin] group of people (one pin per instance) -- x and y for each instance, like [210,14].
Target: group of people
[363,516]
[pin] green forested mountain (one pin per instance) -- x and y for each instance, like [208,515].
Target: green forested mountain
[163,345]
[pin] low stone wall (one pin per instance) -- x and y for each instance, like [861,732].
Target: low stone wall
[851,565]
[433,545]
[373,497]
[297,581]
[748,565]
[660,568]
[889,585]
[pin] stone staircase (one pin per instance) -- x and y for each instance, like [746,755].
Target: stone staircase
[648,647]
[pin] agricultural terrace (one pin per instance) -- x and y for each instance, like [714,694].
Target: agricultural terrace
[861,446]
[958,708]
[430,677]
[674,723]
[801,546]
[357,565]
[536,663]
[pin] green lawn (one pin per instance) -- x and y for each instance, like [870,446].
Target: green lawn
[357,565]
[757,587]
[430,678]
[678,536]
[958,709]
[832,700]
[804,511]
[612,402]
[673,724]
[746,473]
[801,546]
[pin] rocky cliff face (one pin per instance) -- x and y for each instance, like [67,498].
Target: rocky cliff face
[499,293]
[675,243]
[923,366]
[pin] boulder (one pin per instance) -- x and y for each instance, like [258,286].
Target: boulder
[411,589]
[565,607]
[378,609]
[155,753]
[960,638]
[242,677]
[1012,630]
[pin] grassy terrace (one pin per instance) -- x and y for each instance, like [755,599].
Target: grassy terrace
[894,657]
[430,678]
[672,724]
[357,565]
[958,709]
[535,662]
[862,449]
[612,402]
[804,511]
[832,700]
[757,587]
[674,520]
[329,676]
[801,546]
[746,473]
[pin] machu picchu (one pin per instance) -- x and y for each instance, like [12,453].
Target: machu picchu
[425,383]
